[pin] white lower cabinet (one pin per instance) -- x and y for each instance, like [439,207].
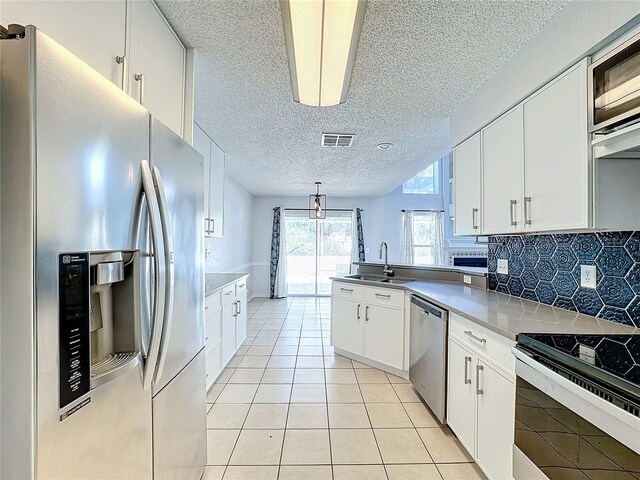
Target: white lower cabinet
[225,326]
[461,410]
[384,335]
[369,322]
[481,398]
[346,325]
[228,332]
[496,421]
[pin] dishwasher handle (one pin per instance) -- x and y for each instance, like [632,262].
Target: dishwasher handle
[428,308]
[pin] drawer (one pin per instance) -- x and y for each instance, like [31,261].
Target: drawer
[228,294]
[389,297]
[241,286]
[495,347]
[214,365]
[212,304]
[212,330]
[347,290]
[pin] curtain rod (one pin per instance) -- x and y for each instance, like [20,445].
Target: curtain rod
[423,210]
[325,209]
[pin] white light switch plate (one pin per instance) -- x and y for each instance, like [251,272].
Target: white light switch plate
[503,266]
[588,276]
[467,279]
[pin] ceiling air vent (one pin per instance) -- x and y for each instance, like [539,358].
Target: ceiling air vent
[337,139]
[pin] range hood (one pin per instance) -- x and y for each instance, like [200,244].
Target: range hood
[624,143]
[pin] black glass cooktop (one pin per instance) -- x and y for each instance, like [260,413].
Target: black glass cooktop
[612,359]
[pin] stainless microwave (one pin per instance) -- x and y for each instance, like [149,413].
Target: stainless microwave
[614,88]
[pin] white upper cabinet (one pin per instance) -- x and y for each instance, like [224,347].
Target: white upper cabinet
[468,178]
[214,175]
[556,154]
[156,64]
[502,166]
[216,191]
[202,143]
[94,31]
[152,58]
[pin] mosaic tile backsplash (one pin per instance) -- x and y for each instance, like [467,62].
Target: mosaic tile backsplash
[546,269]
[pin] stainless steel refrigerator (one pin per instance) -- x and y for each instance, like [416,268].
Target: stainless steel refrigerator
[101,265]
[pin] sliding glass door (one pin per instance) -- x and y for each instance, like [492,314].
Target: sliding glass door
[316,251]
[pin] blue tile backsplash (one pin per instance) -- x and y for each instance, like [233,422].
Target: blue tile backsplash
[546,269]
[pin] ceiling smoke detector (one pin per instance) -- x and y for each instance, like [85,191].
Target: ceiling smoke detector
[384,146]
[337,139]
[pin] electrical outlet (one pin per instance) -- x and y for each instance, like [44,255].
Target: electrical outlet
[503,266]
[588,276]
[467,279]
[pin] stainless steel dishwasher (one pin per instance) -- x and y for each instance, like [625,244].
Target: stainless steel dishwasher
[428,354]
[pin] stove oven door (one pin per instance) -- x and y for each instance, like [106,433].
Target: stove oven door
[563,430]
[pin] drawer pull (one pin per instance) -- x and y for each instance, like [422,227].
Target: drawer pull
[241,286]
[228,293]
[479,391]
[474,337]
[206,308]
[467,363]
[382,295]
[350,290]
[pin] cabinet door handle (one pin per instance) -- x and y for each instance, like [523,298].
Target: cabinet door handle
[228,293]
[206,226]
[241,286]
[139,77]
[474,213]
[212,222]
[366,313]
[512,204]
[122,60]
[350,290]
[475,337]
[358,314]
[527,218]
[479,391]
[238,306]
[382,296]
[467,364]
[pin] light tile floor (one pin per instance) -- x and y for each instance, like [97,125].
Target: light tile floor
[287,408]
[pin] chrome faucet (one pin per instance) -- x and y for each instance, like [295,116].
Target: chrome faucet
[388,272]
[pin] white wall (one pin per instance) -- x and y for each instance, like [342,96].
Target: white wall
[578,30]
[234,251]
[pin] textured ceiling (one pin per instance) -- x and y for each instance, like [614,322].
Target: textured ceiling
[416,64]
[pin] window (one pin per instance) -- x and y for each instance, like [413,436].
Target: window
[316,250]
[427,182]
[424,228]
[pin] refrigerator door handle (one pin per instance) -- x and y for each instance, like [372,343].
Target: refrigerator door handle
[159,265]
[169,290]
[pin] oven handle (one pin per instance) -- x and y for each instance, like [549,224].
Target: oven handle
[613,420]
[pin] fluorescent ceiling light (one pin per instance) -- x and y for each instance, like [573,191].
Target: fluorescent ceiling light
[322,39]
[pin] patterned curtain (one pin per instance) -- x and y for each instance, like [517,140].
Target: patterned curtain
[357,240]
[406,248]
[360,235]
[278,268]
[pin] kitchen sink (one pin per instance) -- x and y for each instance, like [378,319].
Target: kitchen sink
[396,281]
[369,278]
[378,278]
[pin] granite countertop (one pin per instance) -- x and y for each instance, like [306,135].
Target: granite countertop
[215,281]
[502,313]
[479,271]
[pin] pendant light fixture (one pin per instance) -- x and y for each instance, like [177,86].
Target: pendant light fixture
[322,38]
[317,204]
